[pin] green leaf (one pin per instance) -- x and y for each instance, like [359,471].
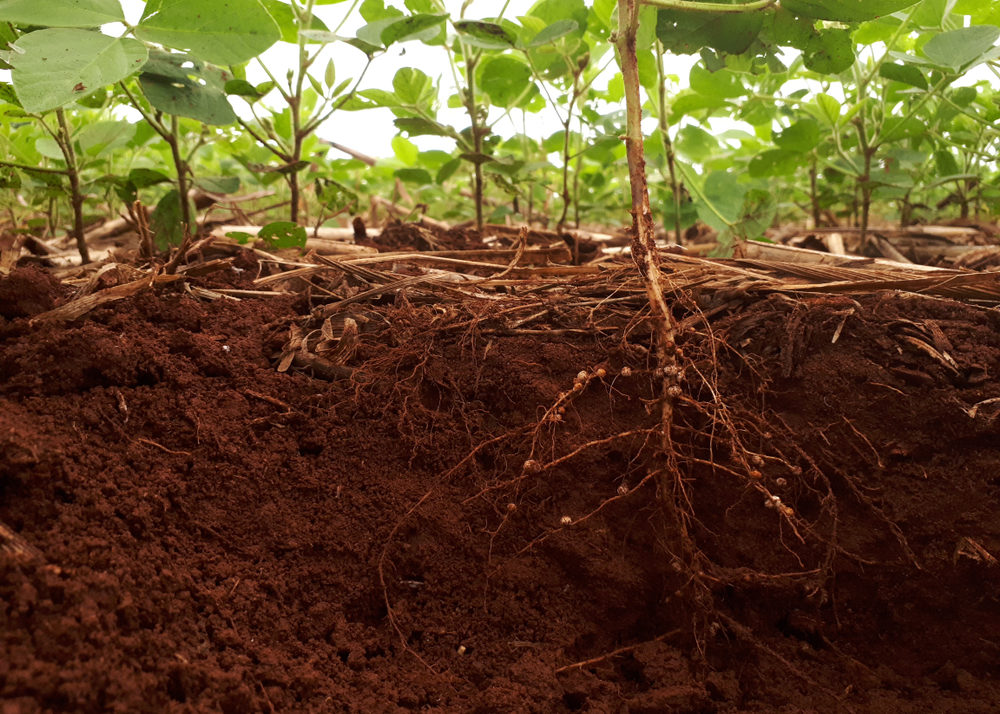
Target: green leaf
[379,97]
[486,35]
[895,128]
[981,13]
[959,49]
[53,67]
[49,148]
[103,136]
[553,32]
[8,95]
[723,84]
[775,162]
[413,87]
[143,178]
[283,234]
[96,100]
[506,166]
[964,96]
[226,32]
[553,11]
[787,28]
[420,177]
[61,13]
[9,178]
[316,84]
[324,37]
[218,184]
[759,209]
[723,204]
[688,103]
[696,144]
[554,142]
[335,197]
[285,19]
[372,10]
[932,13]
[243,88]
[830,52]
[241,237]
[845,10]
[185,86]
[418,126]
[688,32]
[339,89]
[829,108]
[504,79]
[412,27]
[648,76]
[166,221]
[405,150]
[330,75]
[802,136]
[447,170]
[945,162]
[905,73]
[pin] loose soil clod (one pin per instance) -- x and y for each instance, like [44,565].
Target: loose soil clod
[465,518]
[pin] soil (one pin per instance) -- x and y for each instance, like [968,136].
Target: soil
[434,533]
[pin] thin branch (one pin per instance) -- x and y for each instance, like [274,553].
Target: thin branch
[37,169]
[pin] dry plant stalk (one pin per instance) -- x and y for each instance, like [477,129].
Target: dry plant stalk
[670,483]
[137,212]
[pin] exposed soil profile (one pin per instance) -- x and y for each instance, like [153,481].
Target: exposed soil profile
[466,523]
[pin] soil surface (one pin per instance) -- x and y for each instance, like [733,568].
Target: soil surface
[454,526]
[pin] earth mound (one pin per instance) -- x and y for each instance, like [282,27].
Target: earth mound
[477,512]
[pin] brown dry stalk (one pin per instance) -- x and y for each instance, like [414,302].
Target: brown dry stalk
[671,486]
[14,543]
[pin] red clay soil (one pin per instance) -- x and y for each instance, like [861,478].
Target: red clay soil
[397,235]
[217,536]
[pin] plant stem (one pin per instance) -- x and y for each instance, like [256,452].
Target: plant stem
[170,135]
[37,169]
[644,251]
[865,180]
[813,193]
[65,141]
[173,140]
[670,487]
[576,178]
[477,133]
[293,98]
[566,197]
